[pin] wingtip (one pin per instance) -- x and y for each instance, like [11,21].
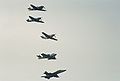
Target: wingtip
[30,3]
[43,32]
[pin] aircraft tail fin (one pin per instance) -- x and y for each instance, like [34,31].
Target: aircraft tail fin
[28,20]
[39,57]
[45,72]
[30,9]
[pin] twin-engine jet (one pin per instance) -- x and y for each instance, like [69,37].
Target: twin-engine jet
[46,36]
[54,74]
[39,8]
[47,56]
[32,19]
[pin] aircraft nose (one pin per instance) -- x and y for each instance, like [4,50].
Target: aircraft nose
[64,70]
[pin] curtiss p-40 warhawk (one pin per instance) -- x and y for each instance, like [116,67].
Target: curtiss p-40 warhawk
[46,36]
[47,56]
[32,19]
[39,8]
[54,74]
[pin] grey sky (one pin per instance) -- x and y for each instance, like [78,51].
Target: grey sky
[88,33]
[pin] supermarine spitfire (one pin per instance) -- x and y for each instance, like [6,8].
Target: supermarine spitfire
[54,74]
[46,36]
[52,56]
[38,8]
[32,19]
[47,56]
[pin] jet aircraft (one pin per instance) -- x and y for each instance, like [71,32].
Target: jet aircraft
[54,74]
[47,56]
[39,8]
[32,19]
[46,36]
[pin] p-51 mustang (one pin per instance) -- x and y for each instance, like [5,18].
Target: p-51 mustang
[54,74]
[47,56]
[46,36]
[32,19]
[39,8]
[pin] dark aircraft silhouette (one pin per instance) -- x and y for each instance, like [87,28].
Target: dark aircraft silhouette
[54,74]
[32,19]
[39,8]
[47,56]
[46,36]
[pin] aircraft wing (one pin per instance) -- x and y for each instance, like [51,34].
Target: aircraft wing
[43,54]
[41,7]
[33,6]
[45,34]
[52,35]
[43,37]
[59,71]
[53,54]
[54,39]
[39,18]
[31,17]
[41,21]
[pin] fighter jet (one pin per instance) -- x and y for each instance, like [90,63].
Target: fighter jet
[32,19]
[39,8]
[54,74]
[47,56]
[46,36]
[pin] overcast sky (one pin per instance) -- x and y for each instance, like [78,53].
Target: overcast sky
[88,46]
